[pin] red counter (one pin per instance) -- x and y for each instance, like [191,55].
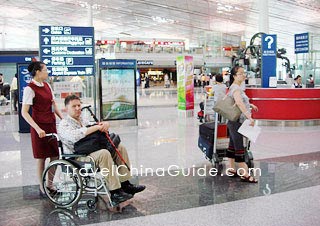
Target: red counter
[285,104]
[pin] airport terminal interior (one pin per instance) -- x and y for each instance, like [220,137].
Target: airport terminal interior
[161,137]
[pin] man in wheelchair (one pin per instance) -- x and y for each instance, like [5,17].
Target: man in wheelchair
[73,128]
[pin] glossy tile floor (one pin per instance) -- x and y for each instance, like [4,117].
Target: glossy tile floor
[288,191]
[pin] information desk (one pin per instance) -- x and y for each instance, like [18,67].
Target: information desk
[285,104]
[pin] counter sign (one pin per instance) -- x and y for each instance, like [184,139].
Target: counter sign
[67,51]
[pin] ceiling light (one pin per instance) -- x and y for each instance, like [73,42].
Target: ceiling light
[124,33]
[86,5]
[162,20]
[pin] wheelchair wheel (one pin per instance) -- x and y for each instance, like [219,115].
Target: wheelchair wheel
[62,183]
[88,183]
[92,204]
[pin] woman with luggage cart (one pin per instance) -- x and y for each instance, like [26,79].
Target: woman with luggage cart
[236,150]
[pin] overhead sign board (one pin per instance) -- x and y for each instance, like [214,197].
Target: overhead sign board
[67,51]
[301,43]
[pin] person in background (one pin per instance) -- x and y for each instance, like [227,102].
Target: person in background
[166,81]
[147,79]
[3,100]
[4,88]
[297,82]
[310,82]
[39,96]
[219,89]
[203,80]
[226,78]
[1,83]
[236,150]
[14,91]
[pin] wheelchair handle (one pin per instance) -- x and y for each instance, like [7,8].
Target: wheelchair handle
[53,135]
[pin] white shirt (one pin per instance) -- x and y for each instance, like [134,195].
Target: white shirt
[14,84]
[219,90]
[70,131]
[28,93]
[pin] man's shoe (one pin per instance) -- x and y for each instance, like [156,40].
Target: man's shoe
[120,196]
[132,189]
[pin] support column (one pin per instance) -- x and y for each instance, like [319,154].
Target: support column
[89,15]
[263,7]
[3,41]
[3,34]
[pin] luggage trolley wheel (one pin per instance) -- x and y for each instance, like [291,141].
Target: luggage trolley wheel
[249,159]
[92,204]
[216,162]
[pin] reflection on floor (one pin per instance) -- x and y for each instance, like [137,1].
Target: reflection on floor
[175,190]
[289,159]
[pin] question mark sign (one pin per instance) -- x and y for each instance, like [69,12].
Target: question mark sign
[269,39]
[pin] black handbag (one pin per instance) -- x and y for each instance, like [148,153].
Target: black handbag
[96,141]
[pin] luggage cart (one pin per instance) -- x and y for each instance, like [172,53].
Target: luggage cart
[218,150]
[216,157]
[208,107]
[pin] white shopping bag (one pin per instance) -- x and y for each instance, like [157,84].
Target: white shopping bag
[251,132]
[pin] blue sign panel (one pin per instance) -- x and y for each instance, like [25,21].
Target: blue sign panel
[67,51]
[301,43]
[16,59]
[24,78]
[117,63]
[269,58]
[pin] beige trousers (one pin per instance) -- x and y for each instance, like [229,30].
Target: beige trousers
[118,172]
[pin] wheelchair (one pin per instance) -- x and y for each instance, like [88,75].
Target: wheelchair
[65,180]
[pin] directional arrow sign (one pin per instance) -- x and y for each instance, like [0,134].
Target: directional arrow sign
[46,51]
[46,30]
[46,61]
[46,40]
[67,51]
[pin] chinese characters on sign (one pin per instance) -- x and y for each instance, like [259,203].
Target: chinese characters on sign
[67,51]
[301,43]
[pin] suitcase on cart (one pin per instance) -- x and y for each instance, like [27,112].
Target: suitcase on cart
[207,148]
[213,142]
[206,140]
[206,130]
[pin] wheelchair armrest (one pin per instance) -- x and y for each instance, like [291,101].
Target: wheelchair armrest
[73,155]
